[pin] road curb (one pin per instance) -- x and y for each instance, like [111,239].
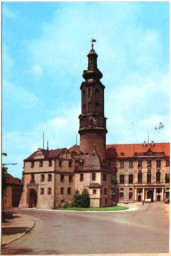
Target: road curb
[19,236]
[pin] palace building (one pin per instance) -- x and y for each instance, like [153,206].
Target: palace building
[110,173]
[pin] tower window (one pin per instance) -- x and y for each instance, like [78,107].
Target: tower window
[50,162]
[89,106]
[41,163]
[97,93]
[97,107]
[105,191]
[104,176]
[83,108]
[62,177]
[89,92]
[94,191]
[62,191]
[70,178]
[69,191]
[32,164]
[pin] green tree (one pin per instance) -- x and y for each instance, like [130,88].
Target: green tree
[81,200]
[113,186]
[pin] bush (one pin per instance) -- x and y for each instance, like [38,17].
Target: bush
[81,200]
[64,205]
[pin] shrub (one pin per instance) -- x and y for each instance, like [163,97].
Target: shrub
[81,200]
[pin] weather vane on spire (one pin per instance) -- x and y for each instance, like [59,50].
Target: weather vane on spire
[93,40]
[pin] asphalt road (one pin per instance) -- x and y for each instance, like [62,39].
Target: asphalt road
[143,231]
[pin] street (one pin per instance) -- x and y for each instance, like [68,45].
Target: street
[145,230]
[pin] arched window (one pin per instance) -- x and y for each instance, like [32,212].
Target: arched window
[83,94]
[97,92]
[97,107]
[89,92]
[139,177]
[89,107]
[158,176]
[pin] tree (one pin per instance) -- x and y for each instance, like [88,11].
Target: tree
[81,200]
[113,186]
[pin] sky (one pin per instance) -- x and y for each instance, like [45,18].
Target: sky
[44,53]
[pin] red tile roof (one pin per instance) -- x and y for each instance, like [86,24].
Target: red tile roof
[75,148]
[9,179]
[129,150]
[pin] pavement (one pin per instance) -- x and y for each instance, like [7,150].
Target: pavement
[18,224]
[15,226]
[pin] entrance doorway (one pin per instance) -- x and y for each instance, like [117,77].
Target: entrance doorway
[150,195]
[32,198]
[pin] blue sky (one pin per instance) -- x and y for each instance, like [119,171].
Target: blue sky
[44,52]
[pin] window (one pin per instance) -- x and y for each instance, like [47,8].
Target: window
[62,177]
[157,176]
[60,163]
[104,176]
[49,191]
[83,108]
[49,177]
[167,177]
[89,91]
[32,178]
[70,178]
[105,200]
[158,163]
[149,163]
[83,94]
[97,93]
[121,179]
[69,191]
[139,177]
[97,107]
[70,163]
[93,176]
[130,195]
[94,191]
[62,191]
[42,191]
[131,179]
[105,191]
[121,164]
[50,162]
[40,163]
[32,164]
[81,177]
[167,163]
[158,191]
[121,195]
[139,164]
[42,178]
[89,106]
[131,164]
[149,178]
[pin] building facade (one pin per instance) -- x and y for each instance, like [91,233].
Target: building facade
[110,173]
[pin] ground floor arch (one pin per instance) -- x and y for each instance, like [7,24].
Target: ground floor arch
[150,195]
[32,198]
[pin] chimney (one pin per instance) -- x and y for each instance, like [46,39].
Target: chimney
[152,142]
[144,143]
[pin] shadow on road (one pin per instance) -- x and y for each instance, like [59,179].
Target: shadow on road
[13,230]
[8,216]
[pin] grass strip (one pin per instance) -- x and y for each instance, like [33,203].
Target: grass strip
[95,209]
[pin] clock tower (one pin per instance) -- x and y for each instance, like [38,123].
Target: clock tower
[92,128]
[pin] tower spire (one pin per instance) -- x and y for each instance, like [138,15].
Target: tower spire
[92,40]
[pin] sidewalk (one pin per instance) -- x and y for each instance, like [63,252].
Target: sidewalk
[16,226]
